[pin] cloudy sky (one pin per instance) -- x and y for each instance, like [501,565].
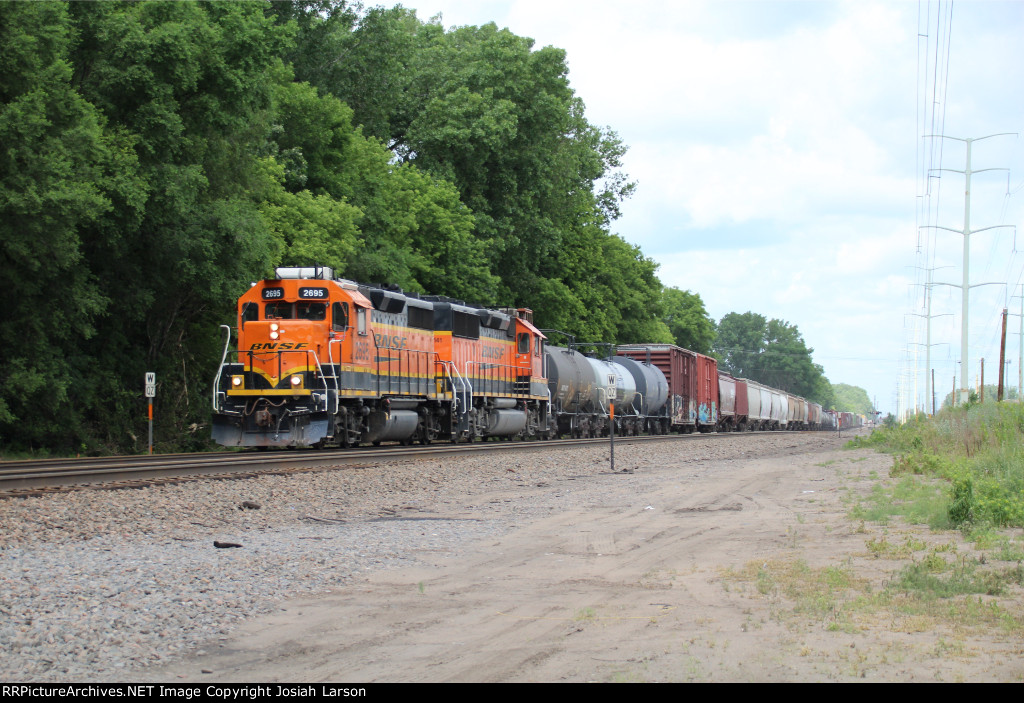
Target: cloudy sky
[781,169]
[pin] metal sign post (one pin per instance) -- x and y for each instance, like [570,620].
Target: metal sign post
[150,394]
[612,406]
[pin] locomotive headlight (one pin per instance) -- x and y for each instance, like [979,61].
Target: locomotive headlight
[274,327]
[296,380]
[274,335]
[236,381]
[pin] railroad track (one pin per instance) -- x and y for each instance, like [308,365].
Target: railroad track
[35,477]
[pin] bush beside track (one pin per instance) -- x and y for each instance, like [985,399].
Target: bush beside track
[979,451]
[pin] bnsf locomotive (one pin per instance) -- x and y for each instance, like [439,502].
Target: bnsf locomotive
[328,362]
[324,361]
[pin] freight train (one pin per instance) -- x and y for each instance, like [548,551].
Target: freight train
[323,361]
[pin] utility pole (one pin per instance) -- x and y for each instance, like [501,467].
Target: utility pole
[1002,360]
[981,385]
[967,232]
[929,385]
[1020,358]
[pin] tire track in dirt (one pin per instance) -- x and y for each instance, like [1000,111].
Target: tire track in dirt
[633,582]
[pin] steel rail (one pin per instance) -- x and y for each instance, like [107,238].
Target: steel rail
[35,476]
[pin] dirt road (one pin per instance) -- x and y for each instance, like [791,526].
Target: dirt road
[681,571]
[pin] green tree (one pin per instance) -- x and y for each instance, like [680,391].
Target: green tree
[991,389]
[483,109]
[186,89]
[772,352]
[60,176]
[852,399]
[410,228]
[687,320]
[740,340]
[786,362]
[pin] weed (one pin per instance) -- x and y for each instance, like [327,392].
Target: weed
[884,548]
[585,615]
[933,577]
[1009,551]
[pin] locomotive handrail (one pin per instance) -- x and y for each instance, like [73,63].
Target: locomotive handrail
[330,356]
[220,369]
[467,383]
[250,369]
[403,354]
[450,365]
[507,373]
[320,369]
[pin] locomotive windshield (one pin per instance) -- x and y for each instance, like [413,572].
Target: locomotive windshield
[296,311]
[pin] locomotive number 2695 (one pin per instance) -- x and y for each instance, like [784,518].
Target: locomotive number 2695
[313,293]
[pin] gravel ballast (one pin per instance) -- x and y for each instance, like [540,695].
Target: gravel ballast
[95,583]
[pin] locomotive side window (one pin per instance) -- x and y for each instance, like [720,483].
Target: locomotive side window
[524,343]
[250,311]
[361,320]
[279,311]
[339,316]
[311,311]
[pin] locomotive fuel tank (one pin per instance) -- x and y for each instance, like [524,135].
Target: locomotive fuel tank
[393,425]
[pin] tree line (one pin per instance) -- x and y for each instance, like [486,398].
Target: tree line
[158,157]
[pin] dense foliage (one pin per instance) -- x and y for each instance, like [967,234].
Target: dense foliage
[852,399]
[991,391]
[687,320]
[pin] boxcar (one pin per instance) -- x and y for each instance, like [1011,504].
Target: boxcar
[692,381]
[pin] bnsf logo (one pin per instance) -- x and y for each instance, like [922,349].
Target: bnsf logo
[388,341]
[491,352]
[270,346]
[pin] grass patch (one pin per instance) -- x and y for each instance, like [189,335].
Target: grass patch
[883,548]
[821,594]
[978,452]
[934,577]
[940,588]
[919,501]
